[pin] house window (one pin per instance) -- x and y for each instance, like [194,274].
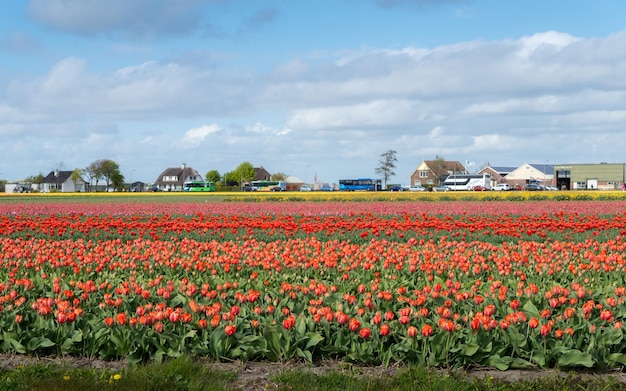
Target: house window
[170,178]
[423,174]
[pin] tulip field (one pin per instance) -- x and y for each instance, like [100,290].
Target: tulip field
[501,284]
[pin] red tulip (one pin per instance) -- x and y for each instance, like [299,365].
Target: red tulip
[355,325]
[289,323]
[230,330]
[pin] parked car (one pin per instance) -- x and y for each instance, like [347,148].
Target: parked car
[417,188]
[249,188]
[441,188]
[23,189]
[276,188]
[502,187]
[534,187]
[326,188]
[396,188]
[479,188]
[552,188]
[305,188]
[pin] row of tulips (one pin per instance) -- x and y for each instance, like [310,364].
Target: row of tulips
[204,204]
[499,290]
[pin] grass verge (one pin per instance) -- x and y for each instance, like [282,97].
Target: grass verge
[188,374]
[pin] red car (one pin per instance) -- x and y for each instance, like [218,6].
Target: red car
[479,188]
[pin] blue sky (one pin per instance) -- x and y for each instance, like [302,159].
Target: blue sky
[309,87]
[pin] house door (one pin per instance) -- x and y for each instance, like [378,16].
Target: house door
[592,184]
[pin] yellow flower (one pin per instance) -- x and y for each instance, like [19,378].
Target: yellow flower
[66,377]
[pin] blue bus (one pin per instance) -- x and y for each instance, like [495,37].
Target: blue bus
[366,184]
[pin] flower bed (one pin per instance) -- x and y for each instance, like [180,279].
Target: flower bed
[506,285]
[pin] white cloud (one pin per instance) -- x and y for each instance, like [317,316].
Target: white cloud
[436,132]
[551,40]
[484,100]
[262,129]
[194,137]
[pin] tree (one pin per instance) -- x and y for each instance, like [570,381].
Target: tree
[386,165]
[213,176]
[117,180]
[441,170]
[77,175]
[231,179]
[245,171]
[105,169]
[111,173]
[38,179]
[93,173]
[279,176]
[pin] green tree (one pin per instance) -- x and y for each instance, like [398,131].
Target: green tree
[38,179]
[386,165]
[279,176]
[111,173]
[232,179]
[105,169]
[117,180]
[245,171]
[77,175]
[213,176]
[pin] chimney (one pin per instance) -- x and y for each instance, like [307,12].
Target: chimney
[182,166]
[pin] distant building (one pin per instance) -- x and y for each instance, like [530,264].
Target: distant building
[527,173]
[61,181]
[261,174]
[498,174]
[172,179]
[601,176]
[293,183]
[434,172]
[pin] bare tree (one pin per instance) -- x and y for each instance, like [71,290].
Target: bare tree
[386,165]
[92,172]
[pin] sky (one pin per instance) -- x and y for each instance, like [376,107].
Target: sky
[309,88]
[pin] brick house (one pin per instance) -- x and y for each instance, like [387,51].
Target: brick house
[497,174]
[261,174]
[434,172]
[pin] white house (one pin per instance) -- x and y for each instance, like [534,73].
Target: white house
[61,181]
[531,173]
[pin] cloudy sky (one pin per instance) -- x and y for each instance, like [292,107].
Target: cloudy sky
[309,87]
